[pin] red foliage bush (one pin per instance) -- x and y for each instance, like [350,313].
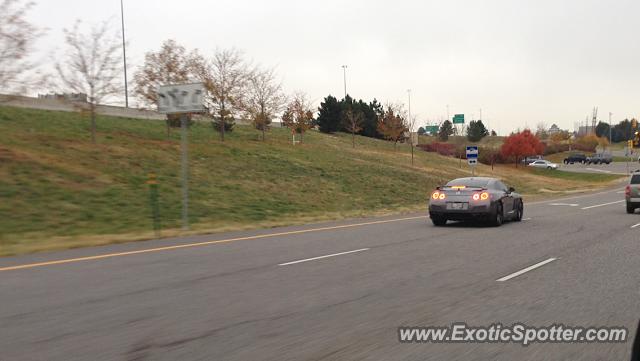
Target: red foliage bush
[521,144]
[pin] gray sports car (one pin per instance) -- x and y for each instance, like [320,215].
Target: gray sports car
[475,198]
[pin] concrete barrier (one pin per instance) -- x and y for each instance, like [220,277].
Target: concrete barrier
[69,106]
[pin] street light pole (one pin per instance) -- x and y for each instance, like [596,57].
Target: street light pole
[409,93]
[124,56]
[344,71]
[610,114]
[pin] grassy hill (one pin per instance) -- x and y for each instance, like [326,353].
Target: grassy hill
[58,190]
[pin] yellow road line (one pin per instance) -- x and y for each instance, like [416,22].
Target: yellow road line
[199,244]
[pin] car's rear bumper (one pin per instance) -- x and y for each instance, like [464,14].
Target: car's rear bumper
[474,212]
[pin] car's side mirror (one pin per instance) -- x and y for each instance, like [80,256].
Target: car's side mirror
[511,189]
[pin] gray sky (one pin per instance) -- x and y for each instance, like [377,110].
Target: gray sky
[522,62]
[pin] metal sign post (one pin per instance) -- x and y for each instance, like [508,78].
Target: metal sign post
[182,99]
[472,158]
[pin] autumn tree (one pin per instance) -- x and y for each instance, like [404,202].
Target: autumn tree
[352,122]
[392,125]
[91,65]
[560,136]
[17,40]
[589,142]
[521,144]
[298,115]
[264,99]
[225,77]
[169,65]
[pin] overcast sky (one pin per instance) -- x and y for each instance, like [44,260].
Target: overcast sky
[521,62]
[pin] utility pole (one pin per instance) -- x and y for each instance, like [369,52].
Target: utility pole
[344,71]
[124,56]
[447,111]
[409,93]
[610,114]
[184,165]
[410,122]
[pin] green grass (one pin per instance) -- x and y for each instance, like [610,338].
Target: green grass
[58,190]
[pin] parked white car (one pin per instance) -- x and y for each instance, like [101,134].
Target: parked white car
[543,164]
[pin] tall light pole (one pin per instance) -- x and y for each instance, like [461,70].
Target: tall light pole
[409,93]
[124,56]
[344,71]
[610,114]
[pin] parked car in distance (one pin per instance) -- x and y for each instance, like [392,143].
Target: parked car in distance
[545,164]
[530,159]
[576,158]
[632,192]
[600,159]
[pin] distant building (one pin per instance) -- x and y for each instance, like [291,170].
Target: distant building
[72,97]
[585,130]
[554,129]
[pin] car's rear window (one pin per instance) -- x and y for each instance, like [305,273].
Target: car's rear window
[635,179]
[469,182]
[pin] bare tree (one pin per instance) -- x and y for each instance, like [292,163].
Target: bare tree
[353,123]
[225,77]
[169,65]
[392,125]
[264,99]
[91,66]
[298,115]
[17,40]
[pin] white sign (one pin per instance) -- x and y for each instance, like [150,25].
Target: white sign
[472,161]
[181,98]
[472,151]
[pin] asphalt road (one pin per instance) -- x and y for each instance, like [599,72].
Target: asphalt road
[335,291]
[613,168]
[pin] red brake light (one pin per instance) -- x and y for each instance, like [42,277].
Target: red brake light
[484,196]
[437,195]
[627,190]
[480,196]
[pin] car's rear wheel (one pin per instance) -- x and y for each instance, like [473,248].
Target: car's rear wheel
[438,220]
[630,208]
[498,218]
[519,212]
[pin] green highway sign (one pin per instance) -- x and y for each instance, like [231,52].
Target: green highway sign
[458,119]
[431,129]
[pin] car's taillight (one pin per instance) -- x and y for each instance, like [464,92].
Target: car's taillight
[437,195]
[480,196]
[627,190]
